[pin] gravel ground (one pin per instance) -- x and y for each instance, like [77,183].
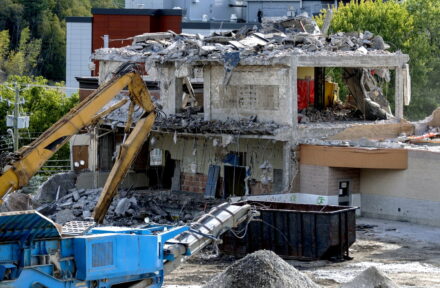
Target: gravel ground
[408,254]
[263,269]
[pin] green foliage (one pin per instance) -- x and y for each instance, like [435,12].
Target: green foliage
[44,106]
[412,27]
[47,29]
[23,60]
[54,48]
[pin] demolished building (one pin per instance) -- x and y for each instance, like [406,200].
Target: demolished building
[238,111]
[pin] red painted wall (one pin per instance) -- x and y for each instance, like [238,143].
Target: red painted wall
[125,26]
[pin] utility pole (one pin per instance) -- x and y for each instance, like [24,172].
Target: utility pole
[16,115]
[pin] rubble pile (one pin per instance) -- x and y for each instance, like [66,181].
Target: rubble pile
[329,114]
[299,35]
[194,123]
[263,269]
[129,208]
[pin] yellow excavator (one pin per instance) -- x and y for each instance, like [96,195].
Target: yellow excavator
[29,159]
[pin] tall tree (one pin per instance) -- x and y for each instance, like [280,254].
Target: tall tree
[53,58]
[404,29]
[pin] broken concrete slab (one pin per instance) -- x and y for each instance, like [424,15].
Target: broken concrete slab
[122,206]
[64,216]
[58,184]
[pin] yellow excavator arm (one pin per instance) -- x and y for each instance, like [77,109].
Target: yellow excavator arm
[29,159]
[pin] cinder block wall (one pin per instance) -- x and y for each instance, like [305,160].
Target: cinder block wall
[409,195]
[338,174]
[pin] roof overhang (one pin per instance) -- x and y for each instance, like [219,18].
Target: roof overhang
[353,157]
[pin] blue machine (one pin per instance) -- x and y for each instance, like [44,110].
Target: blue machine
[38,253]
[34,254]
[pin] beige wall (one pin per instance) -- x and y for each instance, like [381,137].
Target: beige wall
[252,90]
[420,181]
[410,195]
[322,180]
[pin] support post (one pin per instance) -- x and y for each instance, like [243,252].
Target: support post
[207,92]
[293,97]
[16,115]
[287,166]
[398,97]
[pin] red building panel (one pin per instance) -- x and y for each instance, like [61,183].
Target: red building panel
[123,26]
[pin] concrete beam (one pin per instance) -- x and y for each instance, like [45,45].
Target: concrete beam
[358,61]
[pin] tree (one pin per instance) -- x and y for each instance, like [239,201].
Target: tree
[425,56]
[23,60]
[44,106]
[53,57]
[404,29]
[11,19]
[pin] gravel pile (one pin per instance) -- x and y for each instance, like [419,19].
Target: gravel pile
[262,269]
[371,278]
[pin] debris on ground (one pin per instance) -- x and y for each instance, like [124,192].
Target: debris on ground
[56,187]
[263,269]
[371,278]
[130,208]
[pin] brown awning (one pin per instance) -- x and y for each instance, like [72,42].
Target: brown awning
[351,157]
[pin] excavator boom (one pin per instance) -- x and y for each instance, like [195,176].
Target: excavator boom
[29,159]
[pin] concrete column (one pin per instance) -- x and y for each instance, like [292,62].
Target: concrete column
[287,166]
[398,97]
[293,97]
[178,93]
[207,92]
[170,90]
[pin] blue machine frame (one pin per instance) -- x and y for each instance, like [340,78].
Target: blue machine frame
[34,254]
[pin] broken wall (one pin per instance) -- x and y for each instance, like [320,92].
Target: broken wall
[196,154]
[407,195]
[252,90]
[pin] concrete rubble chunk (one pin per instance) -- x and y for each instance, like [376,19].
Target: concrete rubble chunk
[371,278]
[64,216]
[61,182]
[122,206]
[75,195]
[17,201]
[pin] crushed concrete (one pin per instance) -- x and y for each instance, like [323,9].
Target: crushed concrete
[194,123]
[130,208]
[263,269]
[274,39]
[56,186]
[339,112]
[371,278]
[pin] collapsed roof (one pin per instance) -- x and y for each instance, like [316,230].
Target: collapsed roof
[271,40]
